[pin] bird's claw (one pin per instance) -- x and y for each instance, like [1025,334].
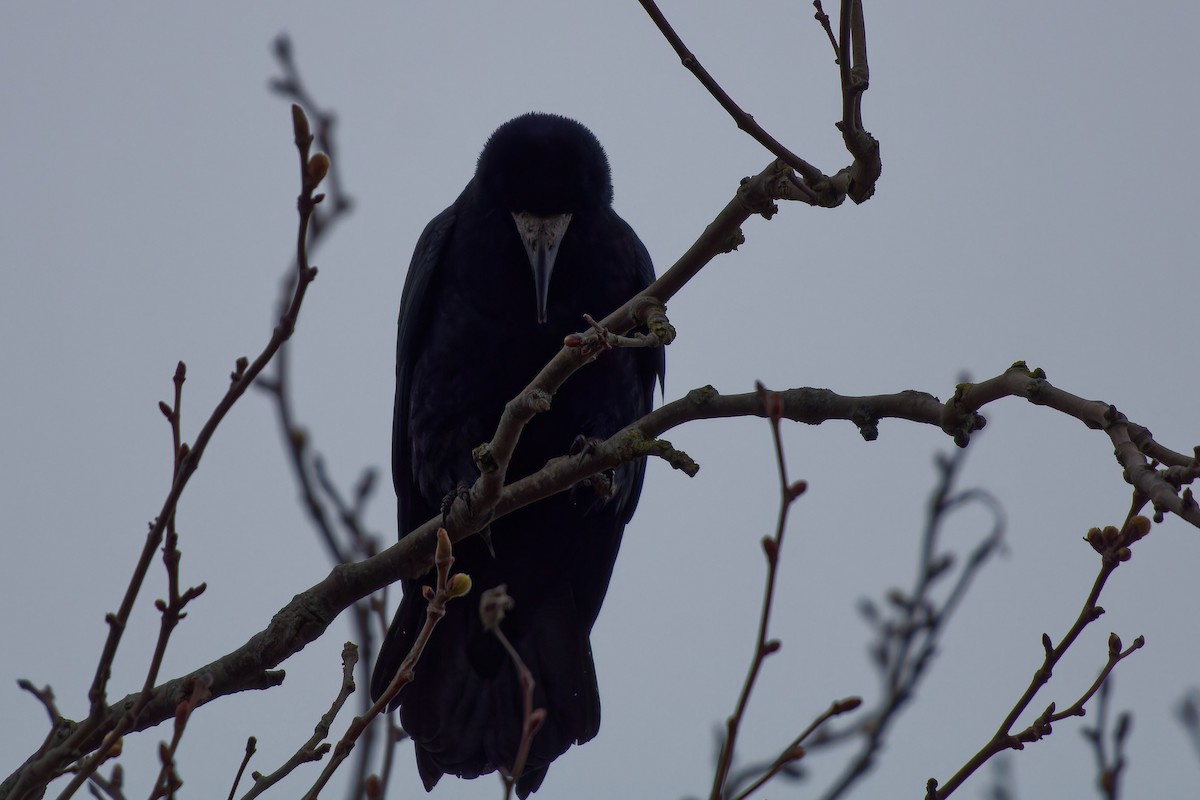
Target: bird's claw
[460,492]
[463,492]
[601,484]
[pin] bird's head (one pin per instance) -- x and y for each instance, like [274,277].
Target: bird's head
[544,169]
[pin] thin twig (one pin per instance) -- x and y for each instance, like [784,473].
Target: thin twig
[316,488]
[744,121]
[251,747]
[795,750]
[1109,765]
[772,405]
[446,589]
[910,631]
[1113,546]
[38,773]
[112,787]
[305,617]
[315,747]
[494,604]
[1188,713]
[168,781]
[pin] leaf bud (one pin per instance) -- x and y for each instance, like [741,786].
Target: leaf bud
[460,584]
[318,168]
[1138,527]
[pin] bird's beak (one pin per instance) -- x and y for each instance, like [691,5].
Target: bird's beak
[541,236]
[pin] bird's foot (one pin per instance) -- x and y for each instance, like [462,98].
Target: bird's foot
[602,484]
[584,445]
[460,492]
[463,492]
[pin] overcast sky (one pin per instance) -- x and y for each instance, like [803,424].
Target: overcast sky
[1037,202]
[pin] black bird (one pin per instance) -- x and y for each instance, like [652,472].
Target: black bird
[496,281]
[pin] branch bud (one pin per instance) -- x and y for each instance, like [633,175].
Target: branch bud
[846,705]
[443,550]
[300,126]
[318,168]
[1138,527]
[771,548]
[460,584]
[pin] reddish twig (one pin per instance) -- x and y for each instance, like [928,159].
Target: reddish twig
[168,781]
[1188,713]
[305,617]
[101,720]
[315,747]
[1113,546]
[772,405]
[111,787]
[743,120]
[494,603]
[251,747]
[1109,765]
[823,18]
[910,631]
[795,751]
[348,541]
[446,589]
[856,181]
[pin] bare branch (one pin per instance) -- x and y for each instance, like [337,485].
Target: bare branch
[101,720]
[494,603]
[251,747]
[856,181]
[1113,546]
[910,630]
[772,407]
[1109,765]
[447,588]
[315,747]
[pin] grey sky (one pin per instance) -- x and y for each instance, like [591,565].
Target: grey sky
[1037,203]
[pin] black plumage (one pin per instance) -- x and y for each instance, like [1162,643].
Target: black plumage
[496,282]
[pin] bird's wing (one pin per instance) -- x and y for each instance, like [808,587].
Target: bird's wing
[415,304]
[652,368]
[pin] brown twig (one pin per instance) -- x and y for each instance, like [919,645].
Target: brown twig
[168,781]
[494,604]
[102,720]
[291,86]
[349,541]
[1109,766]
[795,750]
[446,589]
[45,696]
[1113,546]
[744,121]
[1188,713]
[315,747]
[170,611]
[772,405]
[307,615]
[823,18]
[856,181]
[910,630]
[111,787]
[251,747]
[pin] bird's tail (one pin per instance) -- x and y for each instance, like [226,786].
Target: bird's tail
[465,706]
